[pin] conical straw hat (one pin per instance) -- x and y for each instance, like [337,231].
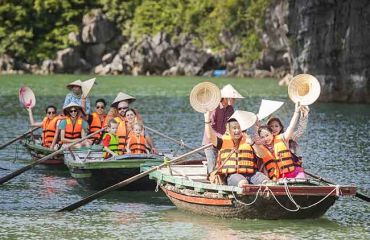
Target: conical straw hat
[26,97]
[122,97]
[204,97]
[244,118]
[74,83]
[268,107]
[86,86]
[72,104]
[304,88]
[229,91]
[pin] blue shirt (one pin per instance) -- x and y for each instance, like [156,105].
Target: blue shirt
[77,99]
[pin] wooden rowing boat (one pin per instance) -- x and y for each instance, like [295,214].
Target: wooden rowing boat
[188,188]
[94,172]
[37,151]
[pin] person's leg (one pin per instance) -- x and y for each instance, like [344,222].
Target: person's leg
[211,155]
[237,180]
[258,178]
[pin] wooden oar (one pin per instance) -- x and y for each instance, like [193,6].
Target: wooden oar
[358,194]
[127,181]
[19,137]
[25,168]
[172,139]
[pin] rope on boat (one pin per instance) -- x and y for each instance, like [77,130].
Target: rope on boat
[248,204]
[298,207]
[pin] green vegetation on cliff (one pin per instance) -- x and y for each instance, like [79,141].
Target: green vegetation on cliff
[33,30]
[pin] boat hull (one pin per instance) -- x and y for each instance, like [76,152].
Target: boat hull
[263,208]
[95,173]
[188,189]
[37,152]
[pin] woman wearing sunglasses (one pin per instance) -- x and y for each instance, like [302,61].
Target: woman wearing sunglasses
[48,125]
[96,120]
[73,127]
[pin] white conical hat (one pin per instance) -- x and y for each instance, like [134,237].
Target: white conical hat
[71,104]
[204,97]
[122,97]
[229,92]
[244,118]
[268,107]
[74,83]
[304,88]
[86,86]
[26,97]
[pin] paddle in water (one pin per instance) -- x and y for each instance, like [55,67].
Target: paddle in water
[19,137]
[25,168]
[127,181]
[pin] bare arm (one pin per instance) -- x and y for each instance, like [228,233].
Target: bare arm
[302,123]
[127,146]
[210,133]
[293,123]
[56,135]
[32,121]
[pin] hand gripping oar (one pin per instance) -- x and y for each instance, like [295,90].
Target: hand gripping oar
[127,181]
[29,166]
[358,194]
[19,137]
[172,139]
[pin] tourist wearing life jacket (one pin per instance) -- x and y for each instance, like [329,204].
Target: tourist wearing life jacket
[236,158]
[275,153]
[96,120]
[136,143]
[218,119]
[110,141]
[48,125]
[73,127]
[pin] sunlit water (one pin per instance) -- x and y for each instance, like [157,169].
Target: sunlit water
[335,146]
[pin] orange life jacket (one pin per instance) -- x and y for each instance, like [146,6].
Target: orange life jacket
[137,144]
[241,161]
[73,131]
[280,161]
[121,134]
[48,130]
[95,125]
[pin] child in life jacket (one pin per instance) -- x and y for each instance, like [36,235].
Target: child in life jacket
[136,143]
[110,140]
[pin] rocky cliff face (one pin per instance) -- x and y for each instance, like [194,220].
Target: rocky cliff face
[330,39]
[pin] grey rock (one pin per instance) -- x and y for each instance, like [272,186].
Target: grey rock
[68,60]
[330,40]
[94,53]
[97,28]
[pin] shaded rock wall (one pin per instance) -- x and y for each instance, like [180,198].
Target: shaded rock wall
[331,40]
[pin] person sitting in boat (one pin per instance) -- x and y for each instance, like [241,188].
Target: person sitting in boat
[76,96]
[218,119]
[275,153]
[136,142]
[236,159]
[73,127]
[131,118]
[278,128]
[96,120]
[110,140]
[48,125]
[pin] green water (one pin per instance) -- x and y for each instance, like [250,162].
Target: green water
[335,146]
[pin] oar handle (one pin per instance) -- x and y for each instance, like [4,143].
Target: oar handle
[127,181]
[172,139]
[19,137]
[29,166]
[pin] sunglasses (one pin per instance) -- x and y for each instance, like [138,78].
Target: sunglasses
[73,110]
[122,108]
[50,112]
[99,107]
